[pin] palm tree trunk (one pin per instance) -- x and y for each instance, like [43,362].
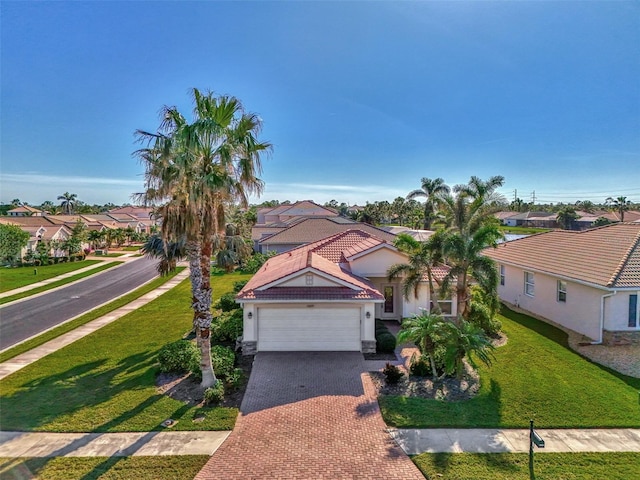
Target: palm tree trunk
[461,297]
[195,275]
[204,315]
[433,296]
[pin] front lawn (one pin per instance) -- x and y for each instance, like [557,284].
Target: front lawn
[515,466]
[105,468]
[58,283]
[11,278]
[105,382]
[535,375]
[523,230]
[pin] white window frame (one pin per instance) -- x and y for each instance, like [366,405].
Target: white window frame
[502,275]
[561,293]
[529,284]
[441,303]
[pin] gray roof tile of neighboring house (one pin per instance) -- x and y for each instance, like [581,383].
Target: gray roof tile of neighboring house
[607,256]
[313,229]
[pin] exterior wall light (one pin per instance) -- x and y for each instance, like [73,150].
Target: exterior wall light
[368,315]
[249,315]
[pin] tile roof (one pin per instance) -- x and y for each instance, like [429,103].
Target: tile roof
[27,221]
[311,294]
[24,209]
[313,229]
[607,256]
[323,256]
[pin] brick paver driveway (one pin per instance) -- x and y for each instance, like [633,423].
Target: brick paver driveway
[309,415]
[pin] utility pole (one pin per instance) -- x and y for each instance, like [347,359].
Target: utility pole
[515,194]
[533,197]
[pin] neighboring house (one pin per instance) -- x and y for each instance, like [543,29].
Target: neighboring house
[586,281]
[308,230]
[420,235]
[275,219]
[531,219]
[325,296]
[25,211]
[503,216]
[141,213]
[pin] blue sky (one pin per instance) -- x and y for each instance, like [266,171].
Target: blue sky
[360,99]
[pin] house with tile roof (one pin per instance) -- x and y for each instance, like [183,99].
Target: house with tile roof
[25,211]
[587,281]
[326,295]
[308,230]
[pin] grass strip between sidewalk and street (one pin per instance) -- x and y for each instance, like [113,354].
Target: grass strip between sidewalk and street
[12,278]
[534,376]
[86,318]
[58,283]
[106,381]
[183,467]
[515,466]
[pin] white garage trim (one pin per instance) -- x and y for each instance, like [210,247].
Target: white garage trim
[309,329]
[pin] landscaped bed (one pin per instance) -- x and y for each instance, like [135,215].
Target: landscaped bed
[535,375]
[108,379]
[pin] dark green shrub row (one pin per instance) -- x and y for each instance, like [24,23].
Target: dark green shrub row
[385,341]
[179,357]
[227,327]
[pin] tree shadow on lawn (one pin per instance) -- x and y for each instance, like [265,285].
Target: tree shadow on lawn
[561,338]
[82,387]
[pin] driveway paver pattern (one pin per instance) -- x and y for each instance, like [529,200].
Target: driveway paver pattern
[310,415]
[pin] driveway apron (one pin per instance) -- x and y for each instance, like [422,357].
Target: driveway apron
[309,415]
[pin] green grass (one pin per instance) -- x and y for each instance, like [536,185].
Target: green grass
[107,379]
[515,466]
[104,468]
[523,230]
[534,375]
[113,255]
[86,318]
[11,278]
[58,283]
[131,248]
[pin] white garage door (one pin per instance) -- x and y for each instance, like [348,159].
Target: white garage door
[308,329]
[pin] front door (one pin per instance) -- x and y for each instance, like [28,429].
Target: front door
[389,305]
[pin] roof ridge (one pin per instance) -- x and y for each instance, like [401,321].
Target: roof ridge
[625,259]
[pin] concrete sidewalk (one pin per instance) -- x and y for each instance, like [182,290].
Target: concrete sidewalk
[29,444]
[476,440]
[21,361]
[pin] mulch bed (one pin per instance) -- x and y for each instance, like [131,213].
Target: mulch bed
[185,388]
[450,389]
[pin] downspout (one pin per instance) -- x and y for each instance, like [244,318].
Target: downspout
[607,295]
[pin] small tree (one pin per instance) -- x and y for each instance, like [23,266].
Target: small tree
[465,340]
[424,330]
[566,216]
[12,240]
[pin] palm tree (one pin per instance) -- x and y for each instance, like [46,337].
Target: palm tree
[231,248]
[424,330]
[471,228]
[169,254]
[432,190]
[620,205]
[68,202]
[423,256]
[196,169]
[566,216]
[465,340]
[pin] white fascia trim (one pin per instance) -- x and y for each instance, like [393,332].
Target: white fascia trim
[308,301]
[304,271]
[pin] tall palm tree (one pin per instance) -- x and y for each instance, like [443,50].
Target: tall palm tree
[432,190]
[620,205]
[194,169]
[68,202]
[471,228]
[566,216]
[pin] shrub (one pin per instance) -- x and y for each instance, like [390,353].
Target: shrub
[214,395]
[385,343]
[227,327]
[234,379]
[392,373]
[227,302]
[222,359]
[179,357]
[239,285]
[256,261]
[419,366]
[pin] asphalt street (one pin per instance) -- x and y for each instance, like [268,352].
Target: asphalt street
[22,320]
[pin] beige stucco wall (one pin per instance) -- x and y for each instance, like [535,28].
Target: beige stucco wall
[581,311]
[376,263]
[617,312]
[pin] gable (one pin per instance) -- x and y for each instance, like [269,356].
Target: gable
[310,280]
[375,263]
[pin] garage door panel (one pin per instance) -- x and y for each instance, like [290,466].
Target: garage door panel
[303,329]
